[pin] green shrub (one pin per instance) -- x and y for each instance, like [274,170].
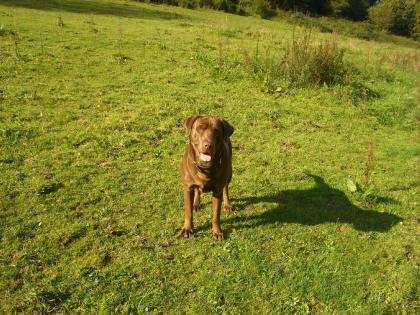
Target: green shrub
[205,3]
[338,6]
[189,4]
[262,8]
[396,16]
[225,5]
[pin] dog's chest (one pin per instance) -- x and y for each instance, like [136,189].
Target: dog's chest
[206,183]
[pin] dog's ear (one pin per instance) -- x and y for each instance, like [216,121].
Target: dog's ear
[188,123]
[227,128]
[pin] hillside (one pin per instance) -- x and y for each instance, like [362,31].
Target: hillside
[325,182]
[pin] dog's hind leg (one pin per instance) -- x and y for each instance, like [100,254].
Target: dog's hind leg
[196,203]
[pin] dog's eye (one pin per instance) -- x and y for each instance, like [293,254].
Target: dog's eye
[200,129]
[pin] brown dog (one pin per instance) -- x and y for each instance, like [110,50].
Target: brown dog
[207,166]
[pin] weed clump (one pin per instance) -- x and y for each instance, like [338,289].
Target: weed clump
[6,32]
[60,21]
[302,63]
[305,63]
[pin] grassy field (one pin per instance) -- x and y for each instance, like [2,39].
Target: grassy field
[326,178]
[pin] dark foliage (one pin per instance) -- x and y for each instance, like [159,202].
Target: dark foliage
[397,16]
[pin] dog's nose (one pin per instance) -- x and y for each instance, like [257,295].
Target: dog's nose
[207,145]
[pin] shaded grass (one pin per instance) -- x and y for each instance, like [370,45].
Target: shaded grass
[91,141]
[104,7]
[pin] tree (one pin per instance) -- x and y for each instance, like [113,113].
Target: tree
[356,9]
[397,16]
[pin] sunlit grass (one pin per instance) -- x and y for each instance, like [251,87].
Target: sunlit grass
[325,186]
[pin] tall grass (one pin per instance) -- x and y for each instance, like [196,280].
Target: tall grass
[308,63]
[407,60]
[301,62]
[369,164]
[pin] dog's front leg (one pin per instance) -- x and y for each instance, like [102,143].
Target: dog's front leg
[188,204]
[226,200]
[216,204]
[196,203]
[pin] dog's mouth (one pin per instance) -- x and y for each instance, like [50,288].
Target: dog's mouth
[205,157]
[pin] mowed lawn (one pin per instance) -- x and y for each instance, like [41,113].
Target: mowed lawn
[325,186]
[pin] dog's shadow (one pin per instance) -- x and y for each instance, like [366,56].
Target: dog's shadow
[317,205]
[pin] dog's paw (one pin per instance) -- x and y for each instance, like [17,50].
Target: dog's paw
[186,233]
[228,208]
[196,208]
[218,235]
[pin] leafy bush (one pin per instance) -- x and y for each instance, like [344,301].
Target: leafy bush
[397,16]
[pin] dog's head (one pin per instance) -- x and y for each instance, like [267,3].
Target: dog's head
[207,135]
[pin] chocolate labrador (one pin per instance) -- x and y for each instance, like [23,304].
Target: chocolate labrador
[206,166]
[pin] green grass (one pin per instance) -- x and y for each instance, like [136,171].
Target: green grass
[92,96]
